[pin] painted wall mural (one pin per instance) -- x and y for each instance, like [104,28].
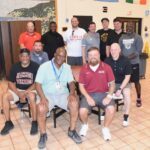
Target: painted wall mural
[43,10]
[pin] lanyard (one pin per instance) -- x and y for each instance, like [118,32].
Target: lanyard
[56,75]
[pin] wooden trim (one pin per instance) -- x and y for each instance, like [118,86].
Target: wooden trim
[56,11]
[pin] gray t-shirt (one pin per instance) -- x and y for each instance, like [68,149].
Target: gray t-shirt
[90,40]
[129,44]
[39,58]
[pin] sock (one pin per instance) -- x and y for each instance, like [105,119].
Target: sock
[125,116]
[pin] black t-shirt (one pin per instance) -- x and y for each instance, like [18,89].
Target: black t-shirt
[51,41]
[120,67]
[114,37]
[23,77]
[104,34]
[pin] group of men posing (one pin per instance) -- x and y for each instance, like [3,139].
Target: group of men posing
[110,59]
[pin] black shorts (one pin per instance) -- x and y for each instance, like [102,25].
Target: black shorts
[98,98]
[135,76]
[74,61]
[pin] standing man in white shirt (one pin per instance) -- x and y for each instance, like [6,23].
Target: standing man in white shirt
[73,40]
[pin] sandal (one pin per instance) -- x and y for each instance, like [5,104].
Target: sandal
[138,103]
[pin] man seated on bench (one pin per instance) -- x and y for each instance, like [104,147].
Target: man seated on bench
[21,87]
[122,70]
[51,84]
[95,80]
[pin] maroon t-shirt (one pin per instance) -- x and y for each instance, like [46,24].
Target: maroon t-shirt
[96,82]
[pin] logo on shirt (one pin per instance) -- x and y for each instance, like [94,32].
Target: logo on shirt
[101,72]
[128,42]
[24,78]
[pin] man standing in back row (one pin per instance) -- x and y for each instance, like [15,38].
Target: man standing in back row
[73,40]
[104,34]
[131,45]
[52,40]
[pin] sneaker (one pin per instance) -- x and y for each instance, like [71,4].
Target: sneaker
[106,134]
[138,102]
[34,128]
[83,130]
[42,141]
[74,136]
[125,123]
[8,126]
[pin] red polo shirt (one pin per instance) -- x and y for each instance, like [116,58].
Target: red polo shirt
[96,82]
[28,40]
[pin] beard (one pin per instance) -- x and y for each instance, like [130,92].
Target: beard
[93,62]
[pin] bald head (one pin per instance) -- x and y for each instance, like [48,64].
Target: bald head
[61,50]
[60,56]
[115,51]
[30,27]
[74,22]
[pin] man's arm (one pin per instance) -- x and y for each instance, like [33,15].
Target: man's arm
[107,50]
[12,86]
[40,90]
[72,88]
[83,55]
[111,88]
[123,85]
[89,99]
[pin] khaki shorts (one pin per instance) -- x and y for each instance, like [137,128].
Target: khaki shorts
[15,96]
[57,100]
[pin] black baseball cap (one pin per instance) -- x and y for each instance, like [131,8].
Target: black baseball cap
[24,50]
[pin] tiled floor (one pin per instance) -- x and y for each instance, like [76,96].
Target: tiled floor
[134,137]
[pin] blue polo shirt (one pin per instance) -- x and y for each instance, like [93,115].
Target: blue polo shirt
[47,77]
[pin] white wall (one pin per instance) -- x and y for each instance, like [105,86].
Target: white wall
[67,8]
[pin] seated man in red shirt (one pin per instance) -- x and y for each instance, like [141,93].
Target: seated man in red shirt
[97,84]
[27,39]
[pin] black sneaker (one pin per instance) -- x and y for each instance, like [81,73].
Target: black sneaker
[74,136]
[8,126]
[42,141]
[34,128]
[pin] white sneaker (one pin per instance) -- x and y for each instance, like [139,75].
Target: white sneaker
[125,123]
[83,130]
[106,134]
[102,118]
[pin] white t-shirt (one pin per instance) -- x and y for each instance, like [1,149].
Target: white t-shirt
[73,38]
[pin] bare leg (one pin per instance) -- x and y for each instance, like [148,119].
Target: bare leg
[73,106]
[109,114]
[32,103]
[83,113]
[6,105]
[127,99]
[41,116]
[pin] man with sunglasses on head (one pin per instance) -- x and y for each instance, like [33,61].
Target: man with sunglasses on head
[73,40]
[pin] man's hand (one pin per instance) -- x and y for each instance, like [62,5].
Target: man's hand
[106,100]
[118,93]
[44,102]
[90,101]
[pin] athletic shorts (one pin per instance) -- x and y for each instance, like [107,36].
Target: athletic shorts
[98,98]
[74,61]
[57,100]
[135,76]
[15,96]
